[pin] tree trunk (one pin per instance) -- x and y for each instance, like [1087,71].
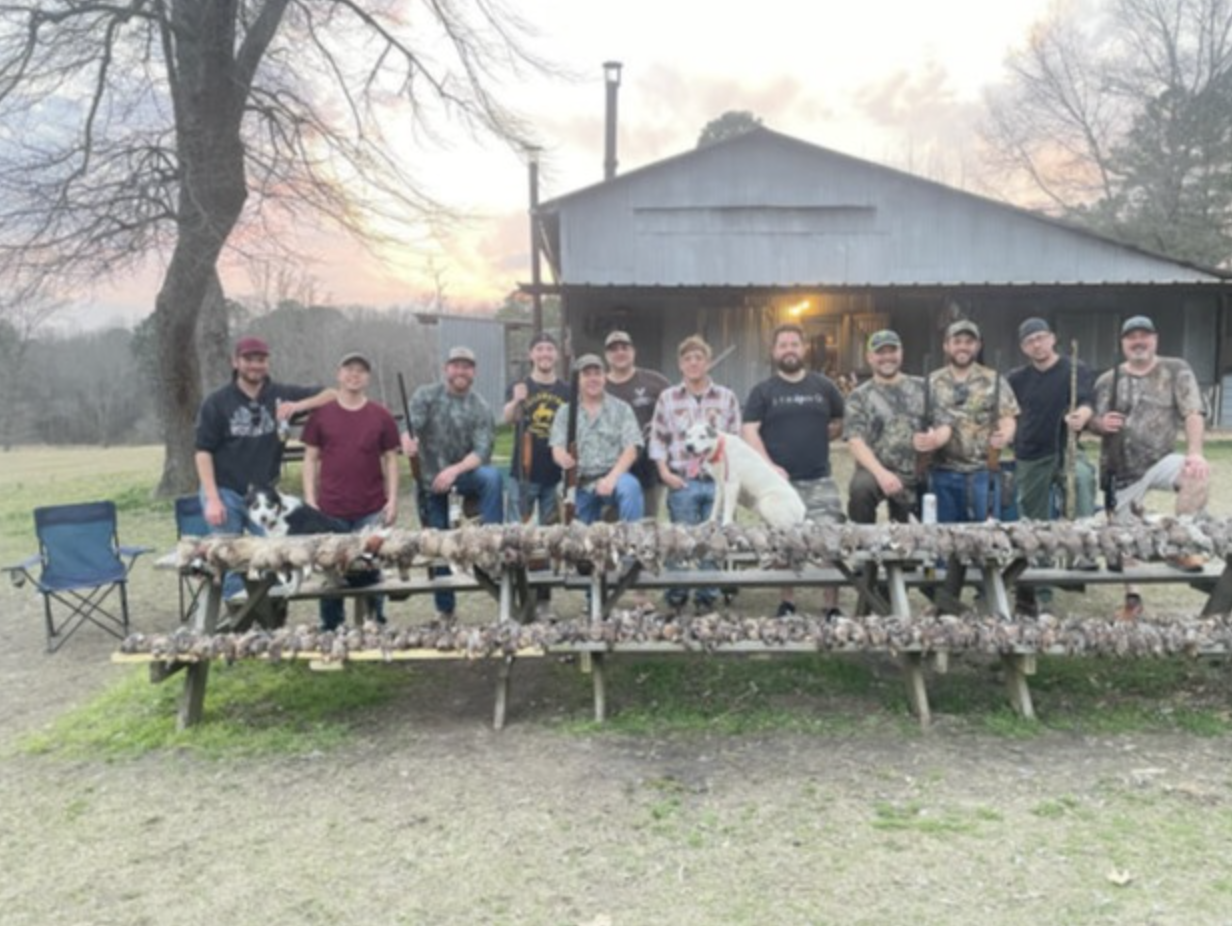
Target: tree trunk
[214,338]
[208,91]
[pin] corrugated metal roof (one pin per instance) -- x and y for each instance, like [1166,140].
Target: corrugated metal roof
[765,209]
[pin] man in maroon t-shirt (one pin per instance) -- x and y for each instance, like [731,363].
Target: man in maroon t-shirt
[350,468]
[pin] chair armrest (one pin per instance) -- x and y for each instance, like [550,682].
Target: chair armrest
[132,553]
[19,572]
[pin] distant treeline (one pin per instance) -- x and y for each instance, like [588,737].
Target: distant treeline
[98,387]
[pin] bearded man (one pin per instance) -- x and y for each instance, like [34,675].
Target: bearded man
[790,420]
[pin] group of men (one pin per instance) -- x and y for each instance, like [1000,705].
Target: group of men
[909,436]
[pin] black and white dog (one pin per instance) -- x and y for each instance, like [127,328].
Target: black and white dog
[283,515]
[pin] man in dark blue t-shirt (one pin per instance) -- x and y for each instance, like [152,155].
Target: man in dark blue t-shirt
[790,419]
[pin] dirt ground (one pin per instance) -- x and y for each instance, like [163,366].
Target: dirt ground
[428,816]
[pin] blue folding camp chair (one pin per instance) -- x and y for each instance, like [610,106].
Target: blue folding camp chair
[82,563]
[190,522]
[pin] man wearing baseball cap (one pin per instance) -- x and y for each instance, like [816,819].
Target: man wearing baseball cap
[351,469]
[454,432]
[532,404]
[237,439]
[963,392]
[1042,387]
[640,388]
[883,419]
[1140,408]
[608,440]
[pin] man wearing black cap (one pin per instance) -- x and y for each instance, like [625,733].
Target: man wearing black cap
[963,392]
[238,441]
[532,404]
[351,469]
[1042,388]
[640,388]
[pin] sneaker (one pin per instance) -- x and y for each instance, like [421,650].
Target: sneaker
[833,614]
[1085,564]
[1132,609]
[703,607]
[786,609]
[1190,562]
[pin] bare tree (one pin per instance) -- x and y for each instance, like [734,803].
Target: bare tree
[1120,116]
[24,315]
[184,127]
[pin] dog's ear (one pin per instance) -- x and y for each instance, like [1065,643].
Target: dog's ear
[250,493]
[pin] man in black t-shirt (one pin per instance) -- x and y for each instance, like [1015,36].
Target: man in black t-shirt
[640,388]
[790,419]
[1042,388]
[238,441]
[532,404]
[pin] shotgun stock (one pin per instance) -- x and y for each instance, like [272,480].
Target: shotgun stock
[1111,456]
[924,461]
[994,453]
[1071,438]
[416,471]
[571,476]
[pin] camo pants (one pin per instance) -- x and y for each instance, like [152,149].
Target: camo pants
[821,498]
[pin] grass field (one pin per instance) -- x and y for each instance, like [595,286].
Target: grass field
[751,696]
[792,790]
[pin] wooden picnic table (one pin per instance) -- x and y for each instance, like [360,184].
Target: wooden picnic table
[883,586]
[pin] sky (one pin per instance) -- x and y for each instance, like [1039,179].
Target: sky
[894,81]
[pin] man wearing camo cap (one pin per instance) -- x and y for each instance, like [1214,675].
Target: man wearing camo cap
[1156,397]
[963,392]
[884,419]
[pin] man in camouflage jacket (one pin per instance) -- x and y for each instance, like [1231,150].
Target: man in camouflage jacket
[884,422]
[963,392]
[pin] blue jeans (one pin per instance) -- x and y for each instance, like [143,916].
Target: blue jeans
[237,523]
[484,484]
[692,505]
[627,497]
[522,498]
[333,610]
[962,498]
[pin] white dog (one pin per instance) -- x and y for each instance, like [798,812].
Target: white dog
[741,475]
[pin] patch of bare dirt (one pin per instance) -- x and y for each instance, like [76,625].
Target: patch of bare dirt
[428,816]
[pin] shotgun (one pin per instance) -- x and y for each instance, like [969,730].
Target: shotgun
[571,428]
[1110,459]
[526,461]
[416,471]
[924,461]
[994,453]
[1071,438]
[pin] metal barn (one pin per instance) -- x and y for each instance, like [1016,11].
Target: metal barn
[731,239]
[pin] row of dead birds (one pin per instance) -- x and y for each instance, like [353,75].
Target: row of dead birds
[654,545]
[1046,633]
